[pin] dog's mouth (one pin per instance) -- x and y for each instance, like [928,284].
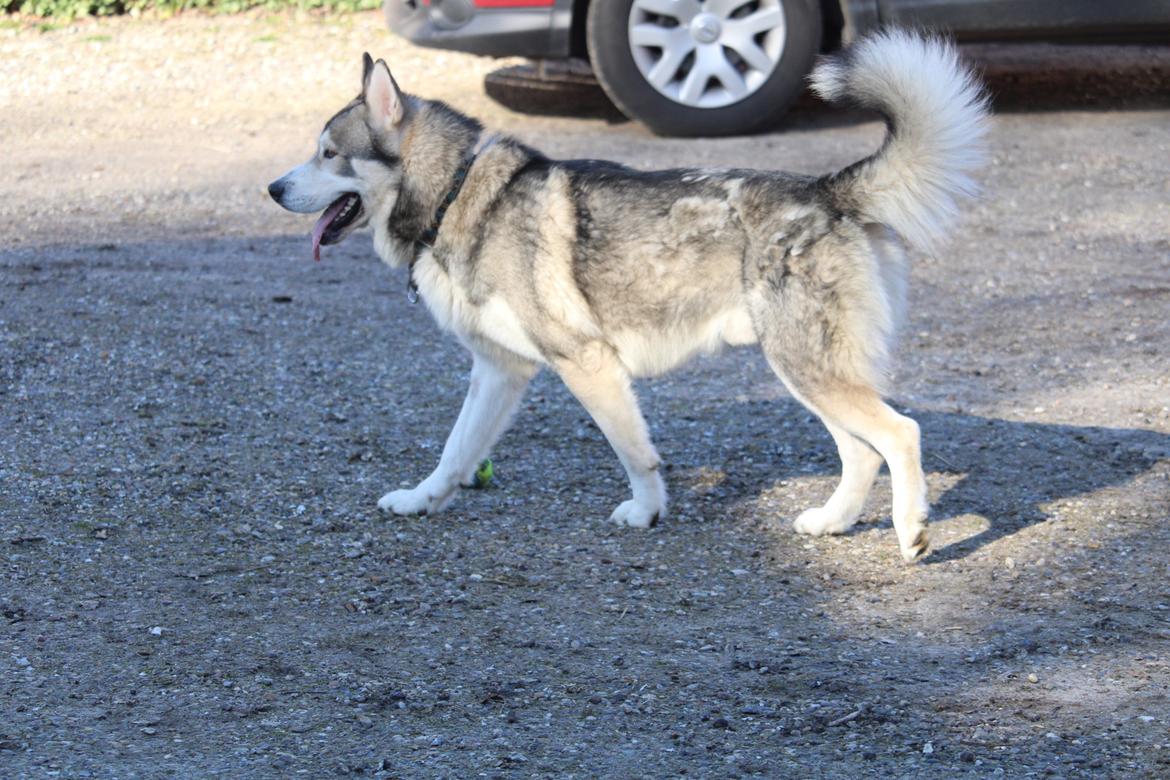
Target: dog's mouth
[336,221]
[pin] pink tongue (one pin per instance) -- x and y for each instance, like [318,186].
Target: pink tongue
[323,222]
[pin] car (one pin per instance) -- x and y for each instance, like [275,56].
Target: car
[725,67]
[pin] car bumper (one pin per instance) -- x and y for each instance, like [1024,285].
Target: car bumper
[497,28]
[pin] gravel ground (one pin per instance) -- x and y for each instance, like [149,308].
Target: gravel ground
[196,421]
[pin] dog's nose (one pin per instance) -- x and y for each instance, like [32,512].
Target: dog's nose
[276,189]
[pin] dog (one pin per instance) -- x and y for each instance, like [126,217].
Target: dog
[604,273]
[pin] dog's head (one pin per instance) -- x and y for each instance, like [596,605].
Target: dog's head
[356,170]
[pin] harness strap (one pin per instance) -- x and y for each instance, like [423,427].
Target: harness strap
[428,237]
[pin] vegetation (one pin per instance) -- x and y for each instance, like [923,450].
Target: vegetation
[74,8]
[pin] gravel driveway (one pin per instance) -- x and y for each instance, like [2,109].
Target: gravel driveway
[196,421]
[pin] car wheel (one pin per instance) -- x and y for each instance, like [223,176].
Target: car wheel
[703,67]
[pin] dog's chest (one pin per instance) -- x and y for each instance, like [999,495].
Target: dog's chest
[477,324]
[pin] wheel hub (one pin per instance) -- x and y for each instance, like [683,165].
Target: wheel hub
[705,28]
[707,53]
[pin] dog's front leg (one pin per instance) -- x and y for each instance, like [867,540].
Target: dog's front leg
[492,397]
[602,385]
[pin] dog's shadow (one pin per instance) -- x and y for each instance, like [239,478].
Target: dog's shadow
[1007,471]
[1010,469]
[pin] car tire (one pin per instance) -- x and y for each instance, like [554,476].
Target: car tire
[681,43]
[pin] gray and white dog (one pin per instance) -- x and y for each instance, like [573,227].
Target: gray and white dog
[605,273]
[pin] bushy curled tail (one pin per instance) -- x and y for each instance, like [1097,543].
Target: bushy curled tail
[937,114]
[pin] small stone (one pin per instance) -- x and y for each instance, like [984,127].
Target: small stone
[967,757]
[1032,678]
[150,731]
[928,748]
[156,631]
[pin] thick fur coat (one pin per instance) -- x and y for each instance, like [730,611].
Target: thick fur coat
[604,273]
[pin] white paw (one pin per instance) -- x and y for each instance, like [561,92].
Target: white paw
[918,546]
[819,521]
[634,515]
[408,502]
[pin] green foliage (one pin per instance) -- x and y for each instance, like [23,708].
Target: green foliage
[71,9]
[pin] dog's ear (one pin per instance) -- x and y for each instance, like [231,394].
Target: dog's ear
[382,95]
[367,69]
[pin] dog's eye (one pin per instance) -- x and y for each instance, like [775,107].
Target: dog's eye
[329,154]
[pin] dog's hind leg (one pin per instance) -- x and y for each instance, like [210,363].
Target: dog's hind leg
[492,397]
[825,317]
[602,385]
[859,467]
[860,411]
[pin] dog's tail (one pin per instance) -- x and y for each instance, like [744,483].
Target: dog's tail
[936,112]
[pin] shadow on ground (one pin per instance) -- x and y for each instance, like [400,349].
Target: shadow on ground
[195,582]
[1005,471]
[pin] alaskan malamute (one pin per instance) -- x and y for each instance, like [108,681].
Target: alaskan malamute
[605,273]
